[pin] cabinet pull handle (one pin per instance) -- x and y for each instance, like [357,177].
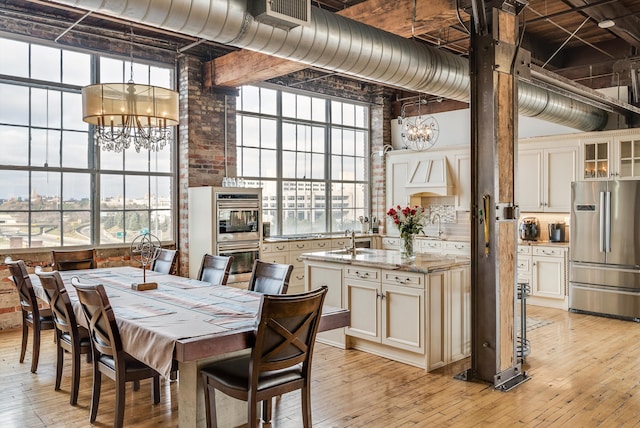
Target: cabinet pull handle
[299,277]
[300,245]
[298,259]
[362,275]
[279,248]
[321,244]
[402,281]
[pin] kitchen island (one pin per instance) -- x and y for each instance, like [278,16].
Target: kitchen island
[414,311]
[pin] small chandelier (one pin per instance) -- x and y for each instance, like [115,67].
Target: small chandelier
[418,132]
[125,113]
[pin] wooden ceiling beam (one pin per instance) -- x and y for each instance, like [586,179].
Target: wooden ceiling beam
[246,67]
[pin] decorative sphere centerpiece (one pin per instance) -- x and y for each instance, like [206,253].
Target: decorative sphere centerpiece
[145,249]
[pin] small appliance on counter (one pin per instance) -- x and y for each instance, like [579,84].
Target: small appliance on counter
[556,232]
[529,229]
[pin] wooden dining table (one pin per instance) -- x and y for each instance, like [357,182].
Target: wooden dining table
[186,320]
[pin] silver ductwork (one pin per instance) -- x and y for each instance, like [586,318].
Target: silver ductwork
[339,44]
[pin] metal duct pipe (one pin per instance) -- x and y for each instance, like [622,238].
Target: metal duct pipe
[339,44]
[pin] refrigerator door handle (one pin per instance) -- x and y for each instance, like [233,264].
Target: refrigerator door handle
[602,223]
[607,231]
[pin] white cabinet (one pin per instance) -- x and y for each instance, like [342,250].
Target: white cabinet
[548,272]
[386,307]
[448,317]
[628,157]
[318,274]
[596,155]
[544,178]
[396,187]
[390,243]
[545,269]
[462,168]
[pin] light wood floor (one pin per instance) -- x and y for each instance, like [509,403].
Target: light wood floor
[585,372]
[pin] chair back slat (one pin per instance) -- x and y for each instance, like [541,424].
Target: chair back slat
[215,269]
[21,279]
[166,261]
[286,330]
[74,260]
[59,301]
[103,329]
[270,278]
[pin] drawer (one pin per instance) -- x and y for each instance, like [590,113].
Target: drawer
[430,246]
[280,257]
[300,245]
[390,243]
[359,272]
[548,251]
[409,279]
[297,278]
[321,244]
[273,247]
[524,265]
[524,249]
[457,247]
[295,260]
[339,242]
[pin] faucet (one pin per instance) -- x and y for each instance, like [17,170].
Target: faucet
[433,220]
[352,244]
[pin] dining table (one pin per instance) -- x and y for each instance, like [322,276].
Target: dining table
[186,320]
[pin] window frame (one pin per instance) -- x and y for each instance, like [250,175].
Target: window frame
[93,168]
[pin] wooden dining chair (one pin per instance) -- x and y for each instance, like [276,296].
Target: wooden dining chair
[33,317]
[279,362]
[70,337]
[166,262]
[108,356]
[270,278]
[74,259]
[215,269]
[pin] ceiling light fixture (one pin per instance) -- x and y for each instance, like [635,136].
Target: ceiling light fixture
[127,112]
[418,132]
[607,23]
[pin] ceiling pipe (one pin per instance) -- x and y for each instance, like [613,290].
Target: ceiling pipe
[341,45]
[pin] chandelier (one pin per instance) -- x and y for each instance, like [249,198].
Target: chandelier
[418,132]
[126,113]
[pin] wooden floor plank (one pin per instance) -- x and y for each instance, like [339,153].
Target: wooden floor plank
[584,372]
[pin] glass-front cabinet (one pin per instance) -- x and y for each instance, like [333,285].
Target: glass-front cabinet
[628,156]
[596,159]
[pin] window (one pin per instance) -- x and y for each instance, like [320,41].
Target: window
[57,189]
[304,150]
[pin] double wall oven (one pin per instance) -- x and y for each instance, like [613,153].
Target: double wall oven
[238,217]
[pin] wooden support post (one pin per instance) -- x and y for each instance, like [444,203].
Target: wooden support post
[493,157]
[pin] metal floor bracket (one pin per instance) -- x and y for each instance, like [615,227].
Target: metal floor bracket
[510,378]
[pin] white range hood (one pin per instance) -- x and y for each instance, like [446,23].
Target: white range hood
[429,177]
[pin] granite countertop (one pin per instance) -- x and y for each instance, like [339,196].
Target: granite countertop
[316,236]
[546,243]
[390,259]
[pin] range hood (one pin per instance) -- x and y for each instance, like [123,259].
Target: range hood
[429,177]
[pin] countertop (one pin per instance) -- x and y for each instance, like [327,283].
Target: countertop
[546,243]
[390,259]
[316,236]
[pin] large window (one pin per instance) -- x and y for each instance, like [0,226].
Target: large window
[56,187]
[308,153]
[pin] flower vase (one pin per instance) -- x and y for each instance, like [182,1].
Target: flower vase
[407,246]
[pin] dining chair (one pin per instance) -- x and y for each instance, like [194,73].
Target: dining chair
[215,269]
[279,362]
[166,262]
[32,316]
[70,337]
[270,278]
[74,259]
[108,356]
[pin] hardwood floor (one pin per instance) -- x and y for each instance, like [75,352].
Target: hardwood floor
[585,372]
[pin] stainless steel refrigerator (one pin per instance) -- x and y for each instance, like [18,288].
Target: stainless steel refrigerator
[604,276]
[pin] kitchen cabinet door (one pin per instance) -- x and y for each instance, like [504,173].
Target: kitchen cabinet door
[460,313]
[544,179]
[403,317]
[548,277]
[397,194]
[362,299]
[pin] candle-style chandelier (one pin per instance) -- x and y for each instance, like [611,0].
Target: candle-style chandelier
[126,113]
[418,132]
